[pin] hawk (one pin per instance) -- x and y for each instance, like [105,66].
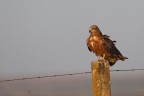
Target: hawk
[102,46]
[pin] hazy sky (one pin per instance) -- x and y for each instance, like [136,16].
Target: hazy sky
[42,37]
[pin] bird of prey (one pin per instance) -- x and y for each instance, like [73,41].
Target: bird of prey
[102,46]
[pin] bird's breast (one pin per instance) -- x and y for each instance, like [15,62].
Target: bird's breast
[95,38]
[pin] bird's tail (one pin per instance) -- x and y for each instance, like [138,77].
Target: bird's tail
[125,57]
[122,57]
[112,61]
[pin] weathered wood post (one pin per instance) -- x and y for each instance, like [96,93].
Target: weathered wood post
[100,78]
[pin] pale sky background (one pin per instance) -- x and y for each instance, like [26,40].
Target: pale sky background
[46,37]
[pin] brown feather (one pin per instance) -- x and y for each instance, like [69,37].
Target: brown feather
[101,44]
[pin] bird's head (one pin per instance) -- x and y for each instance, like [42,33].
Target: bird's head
[94,29]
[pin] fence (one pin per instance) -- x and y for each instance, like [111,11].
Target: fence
[66,76]
[61,75]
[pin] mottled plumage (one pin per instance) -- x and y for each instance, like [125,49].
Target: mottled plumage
[102,46]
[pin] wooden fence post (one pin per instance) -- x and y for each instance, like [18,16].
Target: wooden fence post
[100,78]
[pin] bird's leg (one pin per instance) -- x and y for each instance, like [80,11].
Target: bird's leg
[98,57]
[103,58]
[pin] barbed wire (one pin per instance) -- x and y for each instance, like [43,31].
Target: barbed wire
[128,70]
[62,75]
